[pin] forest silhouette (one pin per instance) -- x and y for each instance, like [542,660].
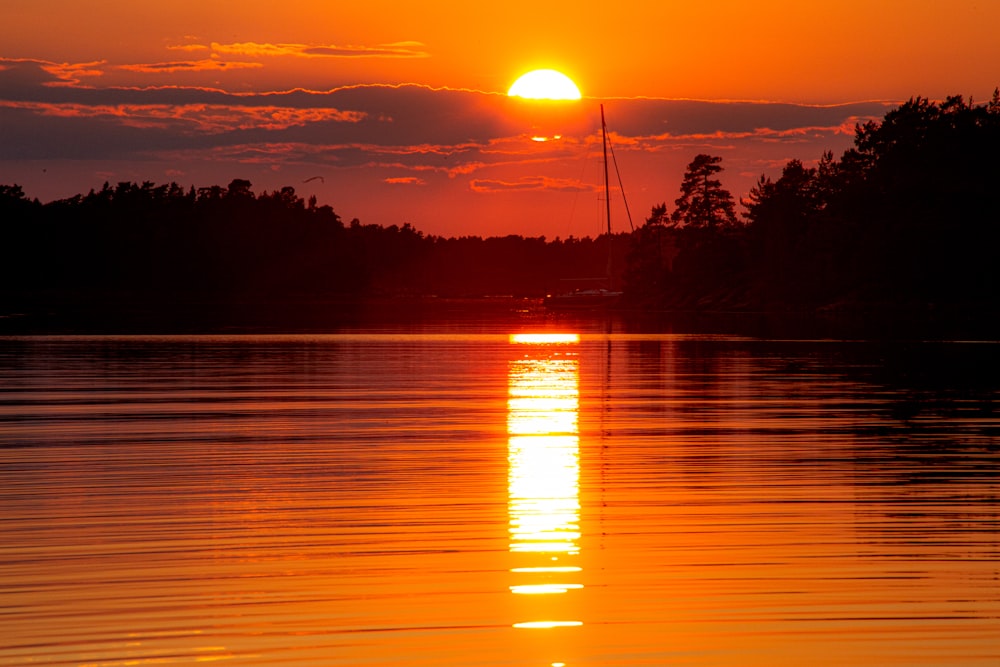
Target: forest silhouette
[907,218]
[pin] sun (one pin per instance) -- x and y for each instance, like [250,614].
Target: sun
[545,84]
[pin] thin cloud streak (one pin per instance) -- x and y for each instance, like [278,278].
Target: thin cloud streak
[530,183]
[206,65]
[31,72]
[405,180]
[268,50]
[198,118]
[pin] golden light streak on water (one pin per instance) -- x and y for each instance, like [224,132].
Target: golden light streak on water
[546,625]
[545,338]
[543,589]
[545,569]
[543,451]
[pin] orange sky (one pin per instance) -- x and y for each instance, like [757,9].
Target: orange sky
[181,91]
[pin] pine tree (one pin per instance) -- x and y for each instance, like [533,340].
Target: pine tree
[993,106]
[704,203]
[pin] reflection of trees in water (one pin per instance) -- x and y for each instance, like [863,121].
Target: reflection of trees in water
[926,481]
[896,442]
[945,375]
[917,398]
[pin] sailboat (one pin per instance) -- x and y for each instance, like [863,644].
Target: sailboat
[601,293]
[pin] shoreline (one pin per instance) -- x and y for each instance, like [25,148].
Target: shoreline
[305,315]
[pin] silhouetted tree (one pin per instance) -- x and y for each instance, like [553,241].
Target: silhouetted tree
[240,189]
[993,107]
[704,203]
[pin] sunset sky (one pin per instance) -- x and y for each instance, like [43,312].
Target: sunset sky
[401,108]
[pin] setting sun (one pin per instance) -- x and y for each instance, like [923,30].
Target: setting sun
[545,84]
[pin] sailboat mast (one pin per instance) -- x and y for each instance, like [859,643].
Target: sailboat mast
[604,145]
[607,193]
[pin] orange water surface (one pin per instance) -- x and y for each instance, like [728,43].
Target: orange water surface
[497,499]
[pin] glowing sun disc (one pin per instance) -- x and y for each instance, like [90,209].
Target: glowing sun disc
[545,84]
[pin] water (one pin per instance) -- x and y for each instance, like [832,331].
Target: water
[457,498]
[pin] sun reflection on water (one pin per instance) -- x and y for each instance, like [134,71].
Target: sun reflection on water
[543,454]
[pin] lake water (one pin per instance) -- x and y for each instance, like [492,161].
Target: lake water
[480,496]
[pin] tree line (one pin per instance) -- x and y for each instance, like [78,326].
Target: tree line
[907,216]
[160,244]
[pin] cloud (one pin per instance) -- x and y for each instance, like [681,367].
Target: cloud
[205,65]
[69,74]
[462,146]
[28,73]
[384,51]
[268,50]
[440,123]
[256,49]
[201,118]
[529,183]
[405,180]
[453,131]
[188,47]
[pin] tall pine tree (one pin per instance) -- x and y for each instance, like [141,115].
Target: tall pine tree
[704,203]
